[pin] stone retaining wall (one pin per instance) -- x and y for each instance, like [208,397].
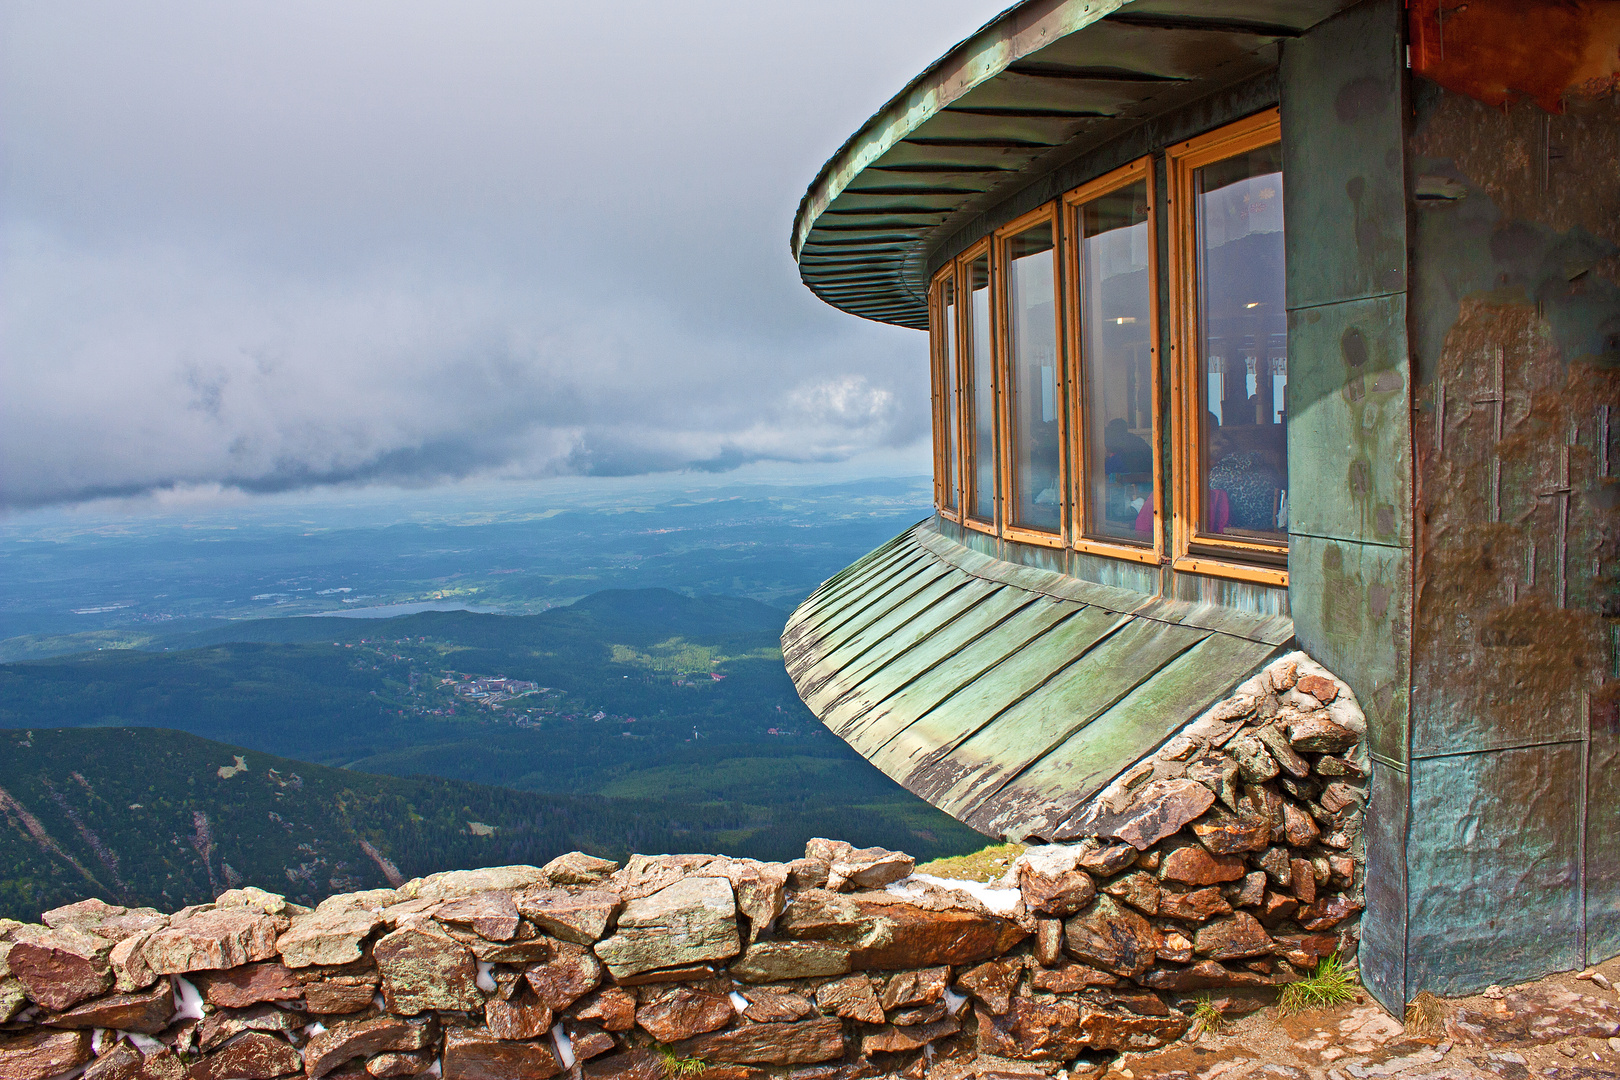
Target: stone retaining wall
[1223,865]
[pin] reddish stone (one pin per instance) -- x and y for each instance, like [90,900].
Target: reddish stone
[1060,894]
[468,1056]
[1138,890]
[683,973]
[682,1013]
[1155,811]
[146,1012]
[851,998]
[57,972]
[1177,948]
[566,977]
[894,1039]
[1304,950]
[1058,1029]
[1298,827]
[1191,864]
[1319,735]
[1112,937]
[1339,795]
[806,1042]
[1274,861]
[225,1024]
[1232,938]
[631,1065]
[121,1061]
[254,1056]
[613,1008]
[524,1016]
[993,983]
[1278,906]
[401,1063]
[249,984]
[1327,912]
[1253,891]
[1323,690]
[1276,742]
[1204,975]
[1069,978]
[491,914]
[915,987]
[1225,834]
[1140,1002]
[213,940]
[362,1038]
[919,1014]
[422,970]
[1304,879]
[42,1054]
[339,994]
[890,933]
[1048,941]
[587,1040]
[1107,861]
[1195,906]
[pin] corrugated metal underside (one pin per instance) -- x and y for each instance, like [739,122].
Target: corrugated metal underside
[1003,694]
[1041,84]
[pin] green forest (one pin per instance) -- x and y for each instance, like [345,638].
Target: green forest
[657,722]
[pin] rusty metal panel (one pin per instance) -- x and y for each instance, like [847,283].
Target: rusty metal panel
[1344,188]
[1494,868]
[1352,606]
[1349,422]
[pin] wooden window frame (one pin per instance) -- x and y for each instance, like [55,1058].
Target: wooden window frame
[969,467]
[1138,170]
[1182,159]
[939,334]
[1002,332]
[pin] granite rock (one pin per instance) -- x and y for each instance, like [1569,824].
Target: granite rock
[691,921]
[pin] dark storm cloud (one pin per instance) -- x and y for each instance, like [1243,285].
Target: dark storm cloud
[275,246]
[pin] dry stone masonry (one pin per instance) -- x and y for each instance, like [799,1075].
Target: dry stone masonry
[1225,864]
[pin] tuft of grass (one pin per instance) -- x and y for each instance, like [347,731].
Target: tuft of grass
[1206,1017]
[1425,1014]
[1331,985]
[987,864]
[679,1068]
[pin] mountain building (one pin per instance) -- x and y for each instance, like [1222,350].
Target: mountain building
[1254,326]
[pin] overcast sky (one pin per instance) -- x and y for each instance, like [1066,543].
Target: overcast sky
[276,246]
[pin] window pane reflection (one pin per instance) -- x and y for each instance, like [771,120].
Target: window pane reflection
[1032,341]
[979,394]
[1116,353]
[1243,345]
[947,392]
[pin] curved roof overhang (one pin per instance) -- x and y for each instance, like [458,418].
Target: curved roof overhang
[1037,86]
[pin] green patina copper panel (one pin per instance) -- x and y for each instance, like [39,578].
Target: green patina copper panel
[925,613]
[1352,604]
[1493,859]
[1344,185]
[885,703]
[1349,422]
[978,683]
[1092,683]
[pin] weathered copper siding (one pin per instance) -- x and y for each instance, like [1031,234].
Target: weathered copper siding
[1349,426]
[1514,854]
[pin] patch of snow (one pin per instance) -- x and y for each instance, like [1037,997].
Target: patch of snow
[999,901]
[486,978]
[954,1001]
[187,1001]
[312,1030]
[144,1043]
[564,1046]
[738,1002]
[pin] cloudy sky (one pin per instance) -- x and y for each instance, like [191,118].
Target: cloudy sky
[281,246]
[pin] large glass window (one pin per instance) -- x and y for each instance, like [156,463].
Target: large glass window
[979,394]
[1116,361]
[1030,266]
[1242,345]
[947,391]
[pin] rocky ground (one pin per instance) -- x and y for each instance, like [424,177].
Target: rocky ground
[1565,1027]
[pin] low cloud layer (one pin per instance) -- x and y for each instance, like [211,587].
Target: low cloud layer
[277,247]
